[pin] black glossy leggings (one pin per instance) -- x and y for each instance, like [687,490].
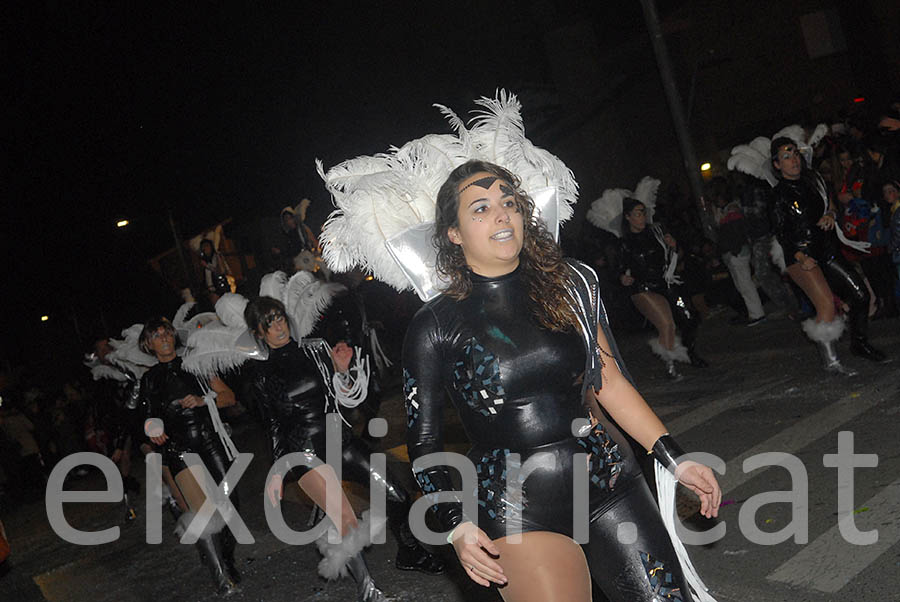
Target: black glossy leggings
[848,284]
[643,570]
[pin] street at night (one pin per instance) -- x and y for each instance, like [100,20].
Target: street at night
[535,255]
[762,393]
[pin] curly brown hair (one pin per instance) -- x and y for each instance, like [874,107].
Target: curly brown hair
[540,260]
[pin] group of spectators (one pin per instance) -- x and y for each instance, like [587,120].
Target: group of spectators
[38,427]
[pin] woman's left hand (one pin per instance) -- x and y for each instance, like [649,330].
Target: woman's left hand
[700,479]
[826,222]
[341,356]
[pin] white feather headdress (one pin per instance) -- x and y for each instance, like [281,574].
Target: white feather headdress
[305,298]
[127,354]
[755,158]
[223,344]
[185,328]
[389,195]
[606,211]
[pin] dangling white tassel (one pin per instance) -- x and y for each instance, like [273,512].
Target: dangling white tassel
[665,493]
[351,387]
[319,352]
[382,362]
[209,396]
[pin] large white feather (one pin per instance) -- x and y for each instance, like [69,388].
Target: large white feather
[273,285]
[103,371]
[127,354]
[211,350]
[380,196]
[305,299]
[606,212]
[646,192]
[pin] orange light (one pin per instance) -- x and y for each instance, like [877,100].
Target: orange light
[121,223]
[705,167]
[370,277]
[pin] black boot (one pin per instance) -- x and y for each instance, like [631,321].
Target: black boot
[411,555]
[366,591]
[860,347]
[210,549]
[696,360]
[229,543]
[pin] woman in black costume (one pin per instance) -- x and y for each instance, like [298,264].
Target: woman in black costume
[175,396]
[290,395]
[645,252]
[503,342]
[804,222]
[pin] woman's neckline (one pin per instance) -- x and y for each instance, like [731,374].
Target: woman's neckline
[478,278]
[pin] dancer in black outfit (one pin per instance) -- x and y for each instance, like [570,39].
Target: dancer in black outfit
[504,343]
[645,255]
[176,397]
[804,222]
[289,392]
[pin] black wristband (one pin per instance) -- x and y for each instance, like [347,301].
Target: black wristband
[667,452]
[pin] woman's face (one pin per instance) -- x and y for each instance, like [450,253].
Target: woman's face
[491,227]
[278,334]
[162,342]
[789,162]
[637,218]
[890,193]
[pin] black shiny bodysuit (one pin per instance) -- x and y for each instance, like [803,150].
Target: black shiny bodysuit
[796,208]
[190,430]
[645,257]
[291,399]
[517,388]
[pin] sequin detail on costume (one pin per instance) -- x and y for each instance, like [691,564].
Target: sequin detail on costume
[477,379]
[412,403]
[661,581]
[605,462]
[493,496]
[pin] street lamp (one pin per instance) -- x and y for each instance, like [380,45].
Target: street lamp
[121,223]
[706,167]
[44,318]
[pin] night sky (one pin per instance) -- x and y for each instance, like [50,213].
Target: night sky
[117,111]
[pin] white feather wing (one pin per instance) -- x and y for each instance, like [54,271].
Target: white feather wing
[646,192]
[211,350]
[606,212]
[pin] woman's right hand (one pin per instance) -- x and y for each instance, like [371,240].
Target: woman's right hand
[275,490]
[626,279]
[477,552]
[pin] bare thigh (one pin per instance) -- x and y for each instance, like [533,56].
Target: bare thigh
[315,484]
[655,308]
[813,283]
[544,567]
[191,490]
